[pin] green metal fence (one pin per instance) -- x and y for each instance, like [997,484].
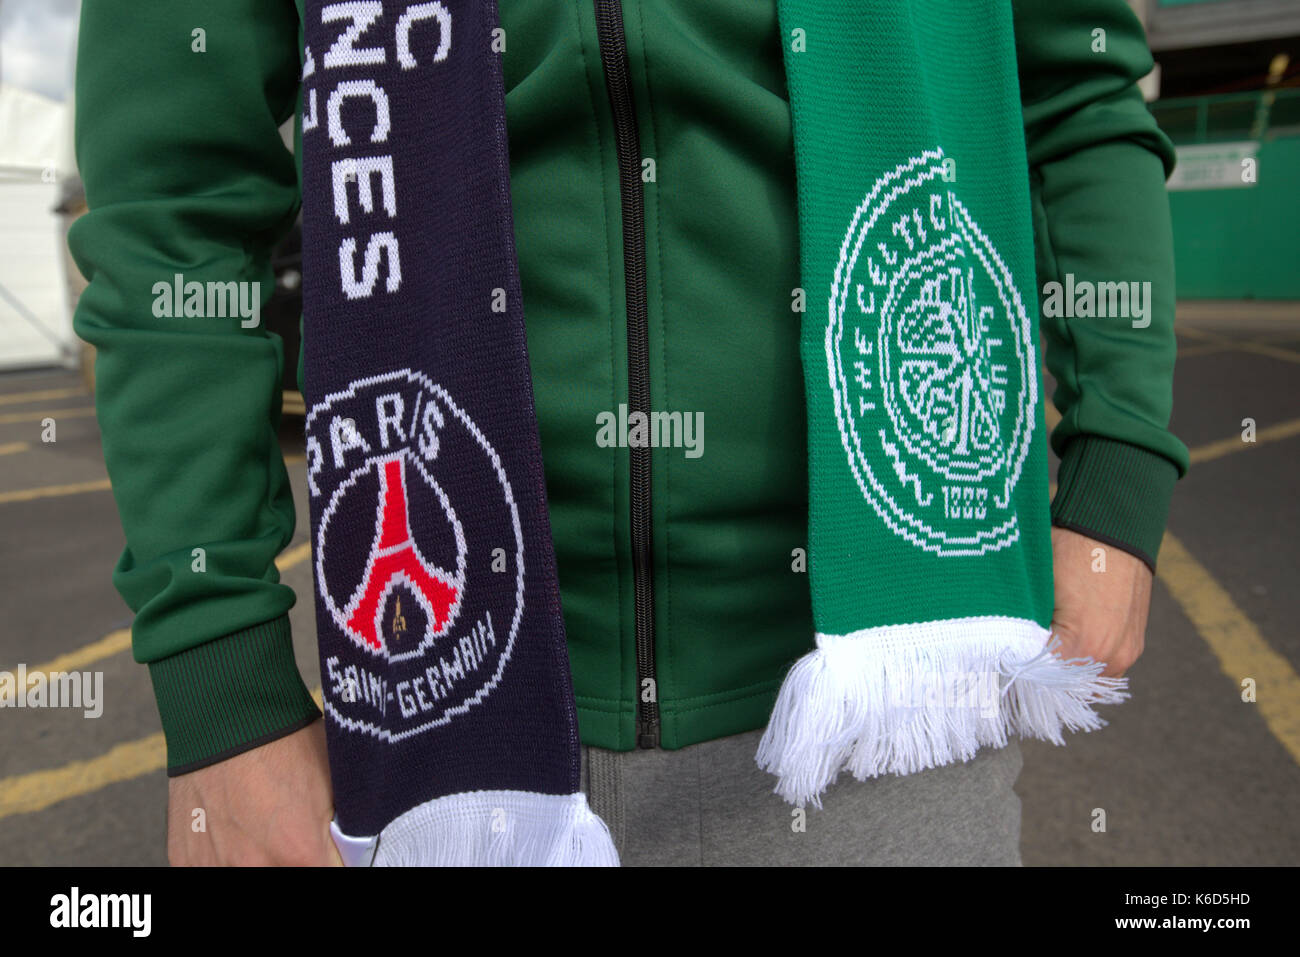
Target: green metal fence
[1238,240]
[1229,117]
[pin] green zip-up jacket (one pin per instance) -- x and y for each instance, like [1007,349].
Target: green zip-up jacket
[186,173]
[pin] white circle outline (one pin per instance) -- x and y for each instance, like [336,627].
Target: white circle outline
[353,724]
[901,522]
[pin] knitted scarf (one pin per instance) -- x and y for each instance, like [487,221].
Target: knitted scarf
[930,553]
[450,717]
[451,724]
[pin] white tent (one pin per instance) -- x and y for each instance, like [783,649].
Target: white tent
[35,159]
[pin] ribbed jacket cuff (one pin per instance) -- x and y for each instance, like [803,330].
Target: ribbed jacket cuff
[230,695]
[1116,493]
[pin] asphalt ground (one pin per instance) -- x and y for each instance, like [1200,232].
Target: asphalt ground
[1187,773]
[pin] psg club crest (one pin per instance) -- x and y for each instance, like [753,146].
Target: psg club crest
[933,365]
[419,556]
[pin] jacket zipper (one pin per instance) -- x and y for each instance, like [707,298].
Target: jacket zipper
[613,56]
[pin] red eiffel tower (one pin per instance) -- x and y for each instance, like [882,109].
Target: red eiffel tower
[396,560]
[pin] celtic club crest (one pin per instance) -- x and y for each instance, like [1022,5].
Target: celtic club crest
[933,365]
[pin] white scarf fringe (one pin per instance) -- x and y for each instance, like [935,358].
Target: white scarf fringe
[488,829]
[902,698]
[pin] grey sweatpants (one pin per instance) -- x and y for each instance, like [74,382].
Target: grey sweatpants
[709,804]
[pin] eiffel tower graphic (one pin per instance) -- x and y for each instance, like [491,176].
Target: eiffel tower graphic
[395,561]
[399,621]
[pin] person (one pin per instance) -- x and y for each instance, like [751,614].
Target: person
[179,108]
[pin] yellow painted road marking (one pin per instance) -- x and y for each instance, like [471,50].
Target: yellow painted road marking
[77,488]
[1207,349]
[1232,312]
[120,640]
[1241,649]
[29,793]
[1272,433]
[1235,641]
[109,645]
[18,398]
[9,448]
[295,555]
[1240,344]
[1049,411]
[55,414]
[1203,334]
[293,404]
[53,491]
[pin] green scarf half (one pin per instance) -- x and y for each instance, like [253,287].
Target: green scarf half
[930,548]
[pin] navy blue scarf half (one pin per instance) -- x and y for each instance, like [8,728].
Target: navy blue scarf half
[442,645]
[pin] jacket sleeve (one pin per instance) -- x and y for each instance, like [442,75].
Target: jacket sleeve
[1098,164]
[188,180]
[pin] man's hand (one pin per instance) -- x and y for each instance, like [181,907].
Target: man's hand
[268,806]
[1099,614]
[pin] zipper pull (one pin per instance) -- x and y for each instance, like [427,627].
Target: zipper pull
[647,734]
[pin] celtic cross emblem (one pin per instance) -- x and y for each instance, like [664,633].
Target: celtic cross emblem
[932,365]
